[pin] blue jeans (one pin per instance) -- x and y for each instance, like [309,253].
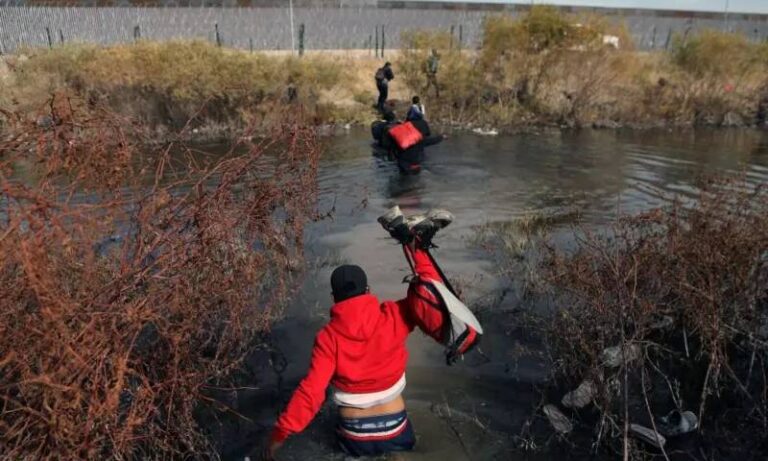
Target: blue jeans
[376,435]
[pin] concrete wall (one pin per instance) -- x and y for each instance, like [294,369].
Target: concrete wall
[328,25]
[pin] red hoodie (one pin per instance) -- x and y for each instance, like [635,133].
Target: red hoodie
[362,348]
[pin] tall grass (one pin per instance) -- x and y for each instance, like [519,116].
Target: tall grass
[167,84]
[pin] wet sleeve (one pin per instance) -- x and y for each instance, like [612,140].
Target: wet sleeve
[432,140]
[422,306]
[310,395]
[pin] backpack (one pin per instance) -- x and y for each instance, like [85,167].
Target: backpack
[406,135]
[380,75]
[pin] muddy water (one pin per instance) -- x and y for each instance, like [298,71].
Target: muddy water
[473,410]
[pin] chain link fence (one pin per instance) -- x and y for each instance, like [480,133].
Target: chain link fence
[269,28]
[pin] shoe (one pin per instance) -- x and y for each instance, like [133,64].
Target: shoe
[387,220]
[417,221]
[423,229]
[394,222]
[441,218]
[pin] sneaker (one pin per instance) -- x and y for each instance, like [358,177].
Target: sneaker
[441,218]
[423,228]
[394,222]
[417,221]
[392,218]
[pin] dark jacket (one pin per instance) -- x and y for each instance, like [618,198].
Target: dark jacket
[379,128]
[414,155]
[362,348]
[388,75]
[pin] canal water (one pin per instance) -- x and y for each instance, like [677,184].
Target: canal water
[476,409]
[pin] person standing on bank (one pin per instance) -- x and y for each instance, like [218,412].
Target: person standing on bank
[383,76]
[433,64]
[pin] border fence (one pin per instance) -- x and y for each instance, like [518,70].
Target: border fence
[346,26]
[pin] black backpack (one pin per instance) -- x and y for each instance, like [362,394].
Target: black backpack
[380,74]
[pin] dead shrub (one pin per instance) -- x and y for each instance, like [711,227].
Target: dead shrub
[683,291]
[132,279]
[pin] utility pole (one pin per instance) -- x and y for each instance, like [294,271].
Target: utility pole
[293,34]
[727,2]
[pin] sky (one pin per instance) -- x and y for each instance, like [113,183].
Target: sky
[740,6]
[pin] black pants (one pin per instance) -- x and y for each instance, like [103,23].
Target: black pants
[383,93]
[408,168]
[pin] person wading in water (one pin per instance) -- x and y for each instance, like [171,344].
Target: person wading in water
[407,142]
[361,351]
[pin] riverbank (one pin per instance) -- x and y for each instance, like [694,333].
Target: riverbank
[544,69]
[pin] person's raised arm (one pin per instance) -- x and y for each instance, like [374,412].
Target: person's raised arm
[432,140]
[310,395]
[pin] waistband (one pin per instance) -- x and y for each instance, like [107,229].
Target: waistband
[373,428]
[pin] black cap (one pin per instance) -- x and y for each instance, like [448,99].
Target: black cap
[348,281]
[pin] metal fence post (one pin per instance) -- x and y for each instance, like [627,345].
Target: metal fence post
[136,33]
[461,35]
[653,37]
[370,44]
[301,39]
[383,39]
[250,44]
[50,40]
[376,50]
[61,36]
[452,29]
[669,38]
[218,36]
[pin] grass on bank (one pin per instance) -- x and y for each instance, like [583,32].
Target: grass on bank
[550,68]
[542,68]
[169,83]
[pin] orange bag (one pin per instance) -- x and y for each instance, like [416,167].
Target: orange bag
[405,135]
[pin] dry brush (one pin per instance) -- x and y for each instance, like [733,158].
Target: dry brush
[131,280]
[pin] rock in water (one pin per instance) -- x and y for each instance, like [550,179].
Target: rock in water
[612,357]
[732,119]
[486,132]
[581,396]
[648,436]
[557,419]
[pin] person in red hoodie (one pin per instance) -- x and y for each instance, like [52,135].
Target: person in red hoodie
[361,351]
